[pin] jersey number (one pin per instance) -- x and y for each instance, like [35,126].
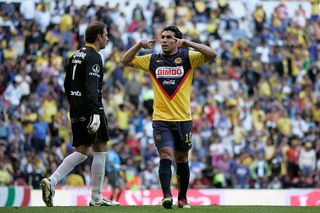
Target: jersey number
[74,71]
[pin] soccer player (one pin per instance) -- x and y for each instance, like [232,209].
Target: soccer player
[171,73]
[83,82]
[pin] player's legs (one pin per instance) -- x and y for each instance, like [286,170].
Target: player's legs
[113,192]
[120,186]
[99,148]
[183,176]
[47,192]
[112,176]
[116,185]
[98,174]
[164,141]
[166,155]
[119,194]
[98,169]
[67,165]
[81,141]
[165,174]
[182,146]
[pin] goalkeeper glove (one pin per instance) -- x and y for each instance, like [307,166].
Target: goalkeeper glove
[94,123]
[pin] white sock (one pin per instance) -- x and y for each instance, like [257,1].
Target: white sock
[97,171]
[67,166]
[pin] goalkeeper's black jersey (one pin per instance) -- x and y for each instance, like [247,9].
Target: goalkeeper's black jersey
[83,82]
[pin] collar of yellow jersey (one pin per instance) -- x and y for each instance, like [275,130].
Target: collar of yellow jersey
[91,45]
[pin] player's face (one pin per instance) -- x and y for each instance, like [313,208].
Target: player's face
[168,43]
[104,39]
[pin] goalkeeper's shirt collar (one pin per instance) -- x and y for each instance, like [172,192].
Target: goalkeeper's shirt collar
[91,45]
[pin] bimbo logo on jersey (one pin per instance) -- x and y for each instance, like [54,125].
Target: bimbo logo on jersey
[169,72]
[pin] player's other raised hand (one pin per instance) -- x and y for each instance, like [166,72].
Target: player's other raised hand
[146,44]
[183,43]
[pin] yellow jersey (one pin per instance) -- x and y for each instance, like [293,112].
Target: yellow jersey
[171,79]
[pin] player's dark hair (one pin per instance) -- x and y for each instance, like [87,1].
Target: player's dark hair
[177,32]
[93,30]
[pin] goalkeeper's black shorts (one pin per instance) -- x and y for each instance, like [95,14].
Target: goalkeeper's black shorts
[80,132]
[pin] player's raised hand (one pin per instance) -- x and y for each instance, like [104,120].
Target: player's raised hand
[146,44]
[183,43]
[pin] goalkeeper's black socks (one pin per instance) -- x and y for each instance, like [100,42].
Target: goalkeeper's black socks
[165,176]
[183,175]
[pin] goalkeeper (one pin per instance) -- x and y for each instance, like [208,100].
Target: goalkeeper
[83,82]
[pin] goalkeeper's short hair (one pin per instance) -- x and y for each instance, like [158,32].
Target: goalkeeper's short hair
[93,30]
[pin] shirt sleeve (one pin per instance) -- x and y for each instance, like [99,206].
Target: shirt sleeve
[142,62]
[93,74]
[196,58]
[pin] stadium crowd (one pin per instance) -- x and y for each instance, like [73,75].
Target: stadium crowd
[256,108]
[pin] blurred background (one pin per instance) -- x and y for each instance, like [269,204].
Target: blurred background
[256,108]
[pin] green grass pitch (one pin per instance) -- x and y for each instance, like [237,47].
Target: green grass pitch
[160,209]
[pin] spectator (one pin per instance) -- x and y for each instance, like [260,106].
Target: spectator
[259,16]
[42,17]
[75,179]
[28,10]
[223,165]
[34,177]
[293,159]
[3,133]
[113,172]
[150,153]
[307,160]
[123,118]
[50,107]
[13,96]
[196,167]
[65,25]
[24,82]
[5,176]
[275,183]
[149,179]
[200,182]
[260,172]
[216,151]
[240,173]
[40,130]
[133,90]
